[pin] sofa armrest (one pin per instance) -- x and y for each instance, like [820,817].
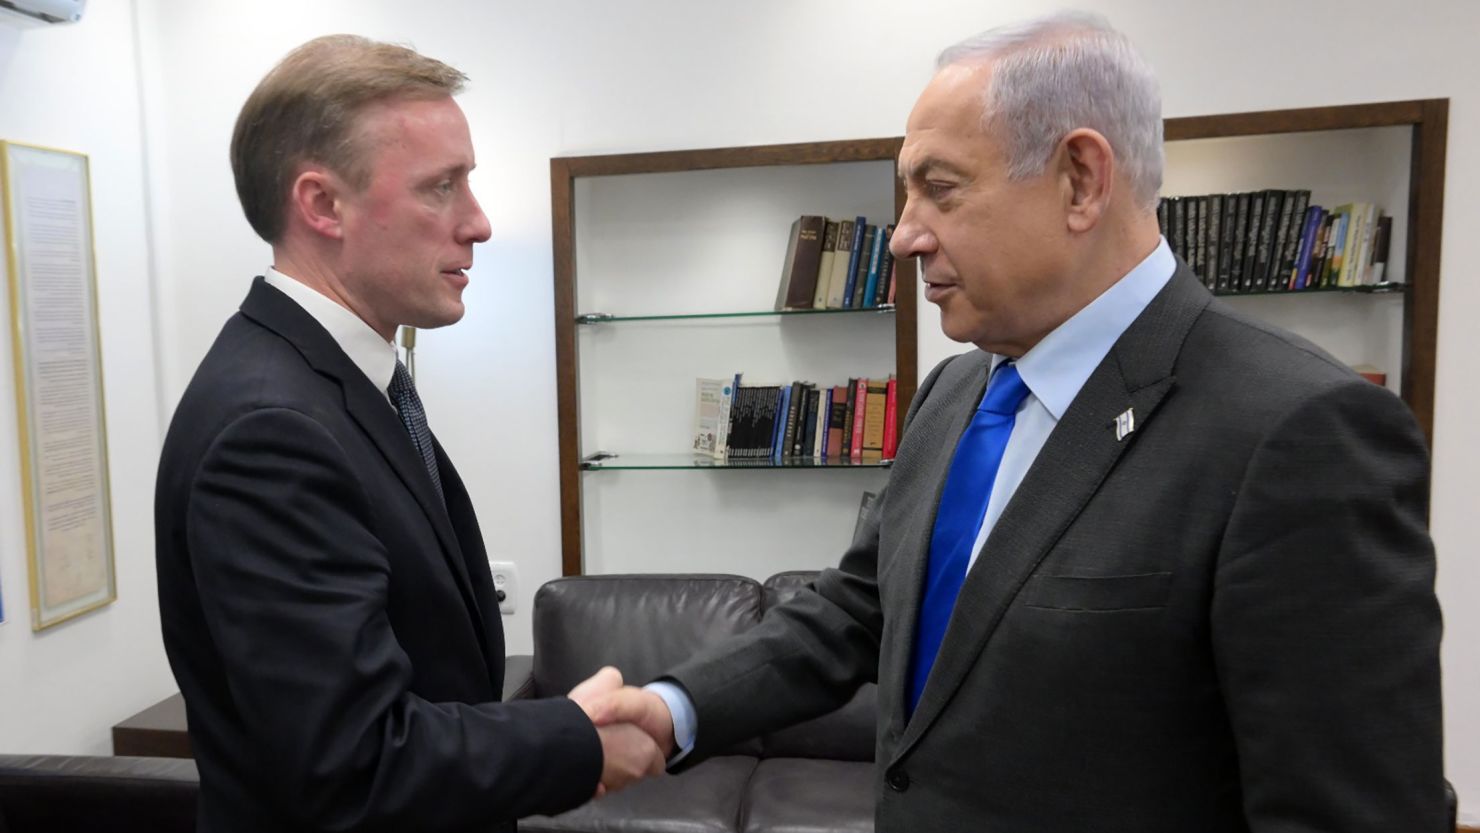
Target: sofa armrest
[518,677]
[63,793]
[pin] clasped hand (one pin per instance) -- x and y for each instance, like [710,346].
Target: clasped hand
[635,727]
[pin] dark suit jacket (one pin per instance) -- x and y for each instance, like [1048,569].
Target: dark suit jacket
[1223,622]
[332,626]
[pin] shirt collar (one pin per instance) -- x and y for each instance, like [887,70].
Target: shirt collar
[1058,366]
[373,355]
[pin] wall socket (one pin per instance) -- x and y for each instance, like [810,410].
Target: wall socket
[505,584]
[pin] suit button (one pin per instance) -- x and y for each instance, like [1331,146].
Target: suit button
[899,780]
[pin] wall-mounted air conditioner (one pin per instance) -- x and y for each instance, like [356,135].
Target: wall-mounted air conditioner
[40,12]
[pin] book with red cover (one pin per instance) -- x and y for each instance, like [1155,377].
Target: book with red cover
[860,406]
[891,419]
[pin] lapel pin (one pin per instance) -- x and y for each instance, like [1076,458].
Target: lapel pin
[1125,424]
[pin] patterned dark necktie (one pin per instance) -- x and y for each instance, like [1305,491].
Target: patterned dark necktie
[958,519]
[403,395]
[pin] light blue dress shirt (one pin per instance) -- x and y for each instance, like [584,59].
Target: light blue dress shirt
[1054,371]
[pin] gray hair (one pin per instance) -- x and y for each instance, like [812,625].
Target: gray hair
[1064,71]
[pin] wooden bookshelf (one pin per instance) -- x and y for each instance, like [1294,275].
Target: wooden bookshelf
[564,171]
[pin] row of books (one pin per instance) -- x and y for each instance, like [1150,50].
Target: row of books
[836,264]
[1272,241]
[800,423]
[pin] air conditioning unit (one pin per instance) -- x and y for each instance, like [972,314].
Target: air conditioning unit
[40,12]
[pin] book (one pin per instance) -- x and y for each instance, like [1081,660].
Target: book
[1250,280]
[1380,246]
[1370,373]
[1215,239]
[825,264]
[1300,273]
[860,410]
[806,423]
[799,270]
[885,293]
[836,416]
[1298,202]
[871,284]
[891,418]
[873,420]
[855,253]
[845,447]
[709,399]
[839,277]
[853,294]
[726,406]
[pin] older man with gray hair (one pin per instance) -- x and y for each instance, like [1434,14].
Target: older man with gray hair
[1143,563]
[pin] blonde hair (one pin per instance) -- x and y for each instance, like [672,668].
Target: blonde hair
[306,109]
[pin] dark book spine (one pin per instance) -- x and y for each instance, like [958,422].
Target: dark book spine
[1269,237]
[1240,234]
[1179,227]
[1225,242]
[1215,239]
[1301,273]
[1251,243]
[860,277]
[848,420]
[1298,201]
[855,254]
[1201,237]
[808,430]
[886,268]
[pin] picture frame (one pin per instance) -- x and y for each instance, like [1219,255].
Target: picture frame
[51,279]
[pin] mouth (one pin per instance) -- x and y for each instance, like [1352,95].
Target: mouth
[459,272]
[935,290]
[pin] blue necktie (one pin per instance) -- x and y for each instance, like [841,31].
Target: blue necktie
[963,504]
[403,395]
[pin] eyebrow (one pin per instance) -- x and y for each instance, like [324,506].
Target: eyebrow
[922,168]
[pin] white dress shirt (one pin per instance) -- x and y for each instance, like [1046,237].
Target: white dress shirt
[373,355]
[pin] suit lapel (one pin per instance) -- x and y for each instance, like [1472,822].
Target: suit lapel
[366,405]
[1135,375]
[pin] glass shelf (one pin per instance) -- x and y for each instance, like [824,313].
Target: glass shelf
[607,318]
[1375,289]
[688,461]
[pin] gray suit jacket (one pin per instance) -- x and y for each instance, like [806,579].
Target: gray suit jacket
[1224,621]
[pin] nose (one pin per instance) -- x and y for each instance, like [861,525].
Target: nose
[475,227]
[912,237]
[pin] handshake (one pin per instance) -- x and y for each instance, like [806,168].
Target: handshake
[635,727]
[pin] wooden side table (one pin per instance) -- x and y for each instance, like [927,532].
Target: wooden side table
[156,732]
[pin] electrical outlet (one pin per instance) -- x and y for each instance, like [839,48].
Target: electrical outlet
[505,584]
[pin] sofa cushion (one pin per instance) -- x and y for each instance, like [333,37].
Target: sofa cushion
[705,799]
[844,735]
[796,795]
[60,794]
[642,624]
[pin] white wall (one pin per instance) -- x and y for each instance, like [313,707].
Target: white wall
[76,87]
[568,77]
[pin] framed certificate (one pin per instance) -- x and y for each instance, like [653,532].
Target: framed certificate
[49,270]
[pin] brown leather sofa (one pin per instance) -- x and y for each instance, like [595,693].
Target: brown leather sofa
[817,776]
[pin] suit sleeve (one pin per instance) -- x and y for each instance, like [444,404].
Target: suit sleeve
[1325,625]
[806,657]
[294,588]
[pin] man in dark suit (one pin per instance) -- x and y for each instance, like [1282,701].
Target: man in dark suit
[1143,564]
[324,591]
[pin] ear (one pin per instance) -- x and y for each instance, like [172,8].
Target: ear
[1087,167]
[314,200]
